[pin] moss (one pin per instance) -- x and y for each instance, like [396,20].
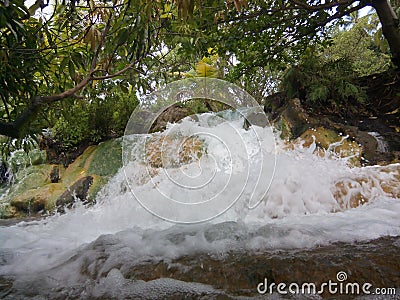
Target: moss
[97,185]
[31,177]
[284,127]
[106,159]
[33,191]
[324,138]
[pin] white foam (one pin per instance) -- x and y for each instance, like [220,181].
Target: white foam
[297,212]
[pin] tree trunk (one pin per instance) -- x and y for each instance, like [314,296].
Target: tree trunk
[390,28]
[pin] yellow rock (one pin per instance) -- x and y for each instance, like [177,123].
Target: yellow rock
[34,191]
[352,192]
[326,139]
[167,151]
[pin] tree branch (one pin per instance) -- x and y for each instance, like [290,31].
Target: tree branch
[17,128]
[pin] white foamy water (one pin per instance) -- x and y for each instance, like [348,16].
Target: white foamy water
[298,211]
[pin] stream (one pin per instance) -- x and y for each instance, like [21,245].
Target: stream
[278,207]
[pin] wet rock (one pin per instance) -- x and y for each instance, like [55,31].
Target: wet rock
[8,211]
[79,190]
[37,188]
[352,192]
[329,143]
[173,151]
[36,157]
[33,201]
[375,262]
[293,119]
[3,173]
[257,119]
[31,204]
[56,154]
[31,177]
[172,114]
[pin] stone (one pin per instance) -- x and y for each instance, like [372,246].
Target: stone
[37,188]
[293,120]
[257,119]
[36,157]
[353,192]
[35,200]
[3,173]
[79,190]
[326,139]
[239,273]
[172,114]
[31,177]
[171,151]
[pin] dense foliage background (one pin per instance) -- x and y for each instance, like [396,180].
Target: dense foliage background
[74,71]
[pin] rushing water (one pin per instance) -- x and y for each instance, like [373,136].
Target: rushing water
[86,251]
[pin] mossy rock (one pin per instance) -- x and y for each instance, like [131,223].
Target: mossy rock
[33,190]
[40,199]
[328,139]
[283,126]
[98,183]
[7,211]
[173,151]
[20,159]
[106,160]
[31,177]
[36,157]
[293,120]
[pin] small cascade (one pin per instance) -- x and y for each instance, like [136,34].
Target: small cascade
[383,145]
[312,200]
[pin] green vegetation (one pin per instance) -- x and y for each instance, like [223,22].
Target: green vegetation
[327,76]
[104,116]
[76,70]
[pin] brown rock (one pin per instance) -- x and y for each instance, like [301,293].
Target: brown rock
[172,114]
[326,139]
[173,151]
[79,190]
[293,120]
[376,262]
[352,192]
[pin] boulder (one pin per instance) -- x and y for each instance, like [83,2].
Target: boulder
[79,190]
[172,114]
[33,201]
[41,187]
[293,119]
[172,151]
[239,273]
[353,192]
[55,174]
[328,142]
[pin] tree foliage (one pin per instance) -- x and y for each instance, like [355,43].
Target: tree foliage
[64,63]
[327,76]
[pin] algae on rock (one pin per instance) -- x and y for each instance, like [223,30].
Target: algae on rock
[34,192]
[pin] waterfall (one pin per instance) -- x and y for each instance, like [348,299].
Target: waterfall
[309,202]
[383,146]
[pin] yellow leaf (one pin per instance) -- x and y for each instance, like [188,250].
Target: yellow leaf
[205,70]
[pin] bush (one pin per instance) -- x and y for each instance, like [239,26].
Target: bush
[320,82]
[103,114]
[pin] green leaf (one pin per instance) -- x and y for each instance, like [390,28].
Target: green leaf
[71,69]
[122,36]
